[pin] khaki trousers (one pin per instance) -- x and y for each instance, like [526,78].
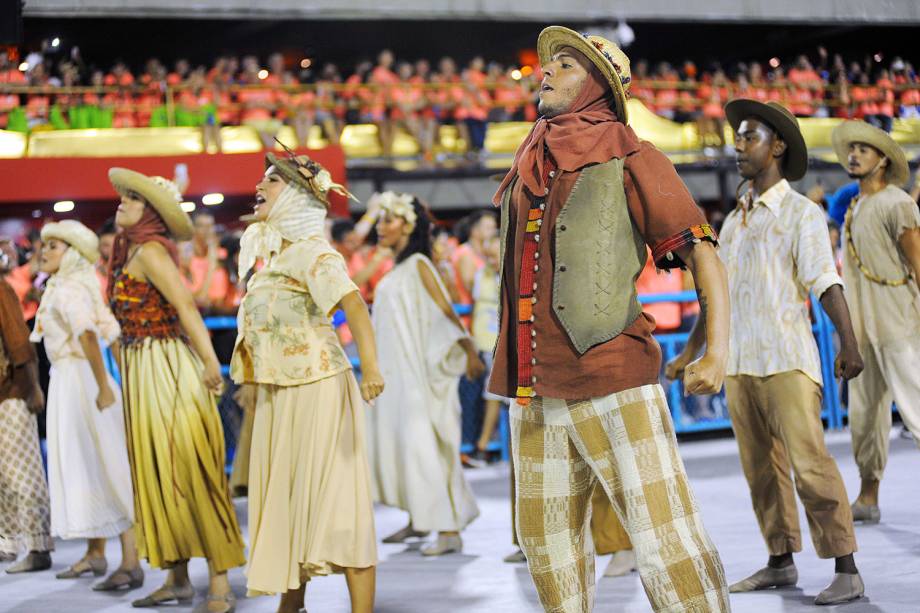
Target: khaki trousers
[625,442]
[777,423]
[890,375]
[607,532]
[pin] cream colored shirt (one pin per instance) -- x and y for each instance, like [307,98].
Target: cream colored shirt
[775,255]
[65,314]
[285,333]
[882,315]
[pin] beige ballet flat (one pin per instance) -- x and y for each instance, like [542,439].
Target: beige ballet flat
[400,536]
[444,545]
[121,578]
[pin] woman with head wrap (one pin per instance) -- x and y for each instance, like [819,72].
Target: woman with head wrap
[88,472]
[310,506]
[415,427]
[170,379]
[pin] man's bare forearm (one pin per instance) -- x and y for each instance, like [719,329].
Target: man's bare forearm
[712,290]
[835,305]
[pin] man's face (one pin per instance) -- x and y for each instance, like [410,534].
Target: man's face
[204,227]
[486,228]
[563,78]
[350,243]
[756,147]
[863,159]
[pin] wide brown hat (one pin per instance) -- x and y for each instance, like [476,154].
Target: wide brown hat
[607,56]
[783,122]
[856,131]
[74,234]
[163,196]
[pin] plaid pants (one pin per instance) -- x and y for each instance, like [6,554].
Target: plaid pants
[626,442]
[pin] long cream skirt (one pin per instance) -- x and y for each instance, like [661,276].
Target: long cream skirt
[310,506]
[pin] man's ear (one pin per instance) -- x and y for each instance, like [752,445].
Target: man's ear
[779,147]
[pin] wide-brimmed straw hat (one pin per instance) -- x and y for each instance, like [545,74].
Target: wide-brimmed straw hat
[609,59]
[74,234]
[784,123]
[163,196]
[856,131]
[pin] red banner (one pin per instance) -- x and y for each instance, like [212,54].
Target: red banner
[46,180]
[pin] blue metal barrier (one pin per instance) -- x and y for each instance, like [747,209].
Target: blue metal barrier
[671,345]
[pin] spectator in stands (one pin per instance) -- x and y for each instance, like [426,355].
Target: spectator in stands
[202,273]
[474,107]
[382,80]
[258,104]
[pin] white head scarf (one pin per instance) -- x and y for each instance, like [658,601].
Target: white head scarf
[74,268]
[295,216]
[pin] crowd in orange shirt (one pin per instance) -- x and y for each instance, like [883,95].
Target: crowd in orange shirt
[417,96]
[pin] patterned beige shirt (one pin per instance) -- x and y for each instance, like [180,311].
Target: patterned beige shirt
[285,334]
[775,254]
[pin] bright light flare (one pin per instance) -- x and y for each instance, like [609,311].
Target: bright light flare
[64,206]
[212,199]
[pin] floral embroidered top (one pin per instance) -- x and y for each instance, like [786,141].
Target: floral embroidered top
[142,311]
[285,332]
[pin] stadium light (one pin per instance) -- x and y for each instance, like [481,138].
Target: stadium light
[55,42]
[306,62]
[187,206]
[263,74]
[23,67]
[64,206]
[878,57]
[212,199]
[526,71]
[516,74]
[36,213]
[774,62]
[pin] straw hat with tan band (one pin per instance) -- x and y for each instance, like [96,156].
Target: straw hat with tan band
[163,196]
[784,123]
[74,234]
[856,131]
[608,58]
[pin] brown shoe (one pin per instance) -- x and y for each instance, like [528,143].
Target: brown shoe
[33,562]
[97,566]
[121,578]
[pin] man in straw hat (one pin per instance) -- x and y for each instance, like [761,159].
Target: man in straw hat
[881,268]
[776,248]
[581,202]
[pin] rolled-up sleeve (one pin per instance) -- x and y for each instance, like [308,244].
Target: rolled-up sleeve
[662,207]
[814,260]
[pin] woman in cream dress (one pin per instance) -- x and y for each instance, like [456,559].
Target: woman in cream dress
[88,473]
[415,425]
[310,506]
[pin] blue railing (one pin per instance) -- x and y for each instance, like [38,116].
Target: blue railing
[671,345]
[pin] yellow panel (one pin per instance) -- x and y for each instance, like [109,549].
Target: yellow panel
[13,144]
[506,137]
[115,142]
[361,141]
[239,139]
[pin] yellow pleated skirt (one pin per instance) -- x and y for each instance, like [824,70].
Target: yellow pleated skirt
[310,506]
[176,450]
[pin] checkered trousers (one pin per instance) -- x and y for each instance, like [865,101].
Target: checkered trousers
[625,441]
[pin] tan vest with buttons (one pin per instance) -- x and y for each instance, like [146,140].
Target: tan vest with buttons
[599,255]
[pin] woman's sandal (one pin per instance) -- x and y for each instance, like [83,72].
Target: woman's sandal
[97,566]
[121,578]
[228,599]
[164,594]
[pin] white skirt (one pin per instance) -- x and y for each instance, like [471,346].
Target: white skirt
[88,472]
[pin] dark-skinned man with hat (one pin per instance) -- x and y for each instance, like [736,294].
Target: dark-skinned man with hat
[881,267]
[776,249]
[583,200]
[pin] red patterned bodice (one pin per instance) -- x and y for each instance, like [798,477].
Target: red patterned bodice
[142,311]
